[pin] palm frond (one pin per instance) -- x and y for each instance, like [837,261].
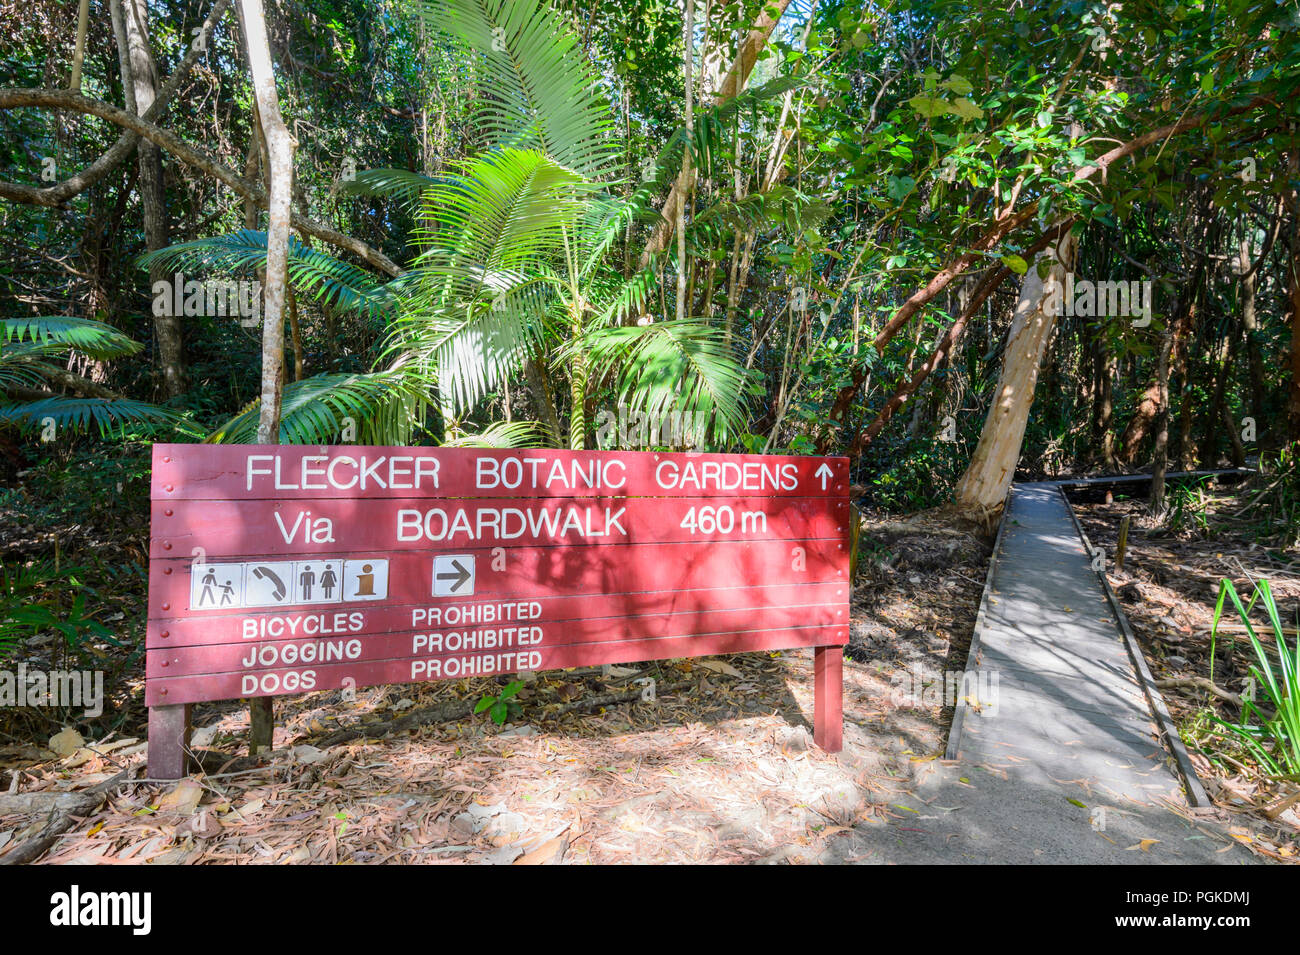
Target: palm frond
[628,297]
[672,366]
[18,369]
[536,88]
[604,223]
[778,207]
[311,272]
[400,184]
[91,338]
[315,410]
[503,434]
[484,278]
[78,414]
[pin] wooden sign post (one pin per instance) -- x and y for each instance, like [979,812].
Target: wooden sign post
[283,569]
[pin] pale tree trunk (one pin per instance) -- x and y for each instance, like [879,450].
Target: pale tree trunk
[992,468]
[140,87]
[79,50]
[279,156]
[687,177]
[279,164]
[742,247]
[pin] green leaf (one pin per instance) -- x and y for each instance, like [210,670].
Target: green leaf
[958,84]
[62,332]
[900,187]
[929,106]
[967,109]
[1016,264]
[311,271]
[312,411]
[78,414]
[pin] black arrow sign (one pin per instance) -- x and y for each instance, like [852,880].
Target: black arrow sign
[461,576]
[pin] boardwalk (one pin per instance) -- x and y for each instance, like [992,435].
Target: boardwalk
[1063,760]
[1068,705]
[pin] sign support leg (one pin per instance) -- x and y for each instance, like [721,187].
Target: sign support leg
[261,724]
[828,708]
[169,739]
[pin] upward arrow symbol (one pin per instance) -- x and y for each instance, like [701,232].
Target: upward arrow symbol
[824,472]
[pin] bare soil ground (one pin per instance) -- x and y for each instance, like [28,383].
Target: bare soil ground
[1168,587]
[718,767]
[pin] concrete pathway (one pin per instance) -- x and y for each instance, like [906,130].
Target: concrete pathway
[1059,757]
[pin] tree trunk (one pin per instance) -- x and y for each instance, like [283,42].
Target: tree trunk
[1293,287]
[279,154]
[140,88]
[1168,343]
[1219,416]
[1185,370]
[1187,450]
[1250,322]
[1139,426]
[541,396]
[687,176]
[992,468]
[1103,408]
[79,47]
[1293,398]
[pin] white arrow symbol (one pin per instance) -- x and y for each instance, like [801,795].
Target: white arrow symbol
[823,472]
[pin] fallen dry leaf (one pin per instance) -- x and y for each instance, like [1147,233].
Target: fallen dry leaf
[183,799]
[67,742]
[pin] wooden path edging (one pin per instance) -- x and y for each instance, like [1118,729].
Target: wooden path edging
[1195,791]
[972,655]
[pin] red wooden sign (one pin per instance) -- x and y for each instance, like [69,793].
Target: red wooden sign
[278,569]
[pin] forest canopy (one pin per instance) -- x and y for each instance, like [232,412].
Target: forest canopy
[863,229]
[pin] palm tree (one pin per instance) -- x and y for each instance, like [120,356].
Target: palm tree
[512,275]
[512,271]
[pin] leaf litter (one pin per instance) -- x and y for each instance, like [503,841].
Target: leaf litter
[716,765]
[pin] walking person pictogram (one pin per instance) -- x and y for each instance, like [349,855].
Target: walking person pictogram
[209,581]
[227,591]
